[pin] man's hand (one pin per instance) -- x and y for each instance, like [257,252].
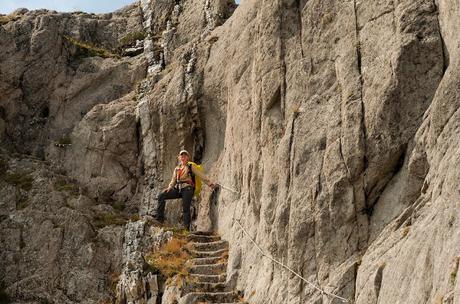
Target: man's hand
[167,189]
[212,185]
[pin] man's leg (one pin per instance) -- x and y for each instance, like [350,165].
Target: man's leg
[159,213]
[187,196]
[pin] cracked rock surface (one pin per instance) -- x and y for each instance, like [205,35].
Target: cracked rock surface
[336,121]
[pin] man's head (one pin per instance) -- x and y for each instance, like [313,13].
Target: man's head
[184,156]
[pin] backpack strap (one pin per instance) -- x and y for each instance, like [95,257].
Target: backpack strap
[192,175]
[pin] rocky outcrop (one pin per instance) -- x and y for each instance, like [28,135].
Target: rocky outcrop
[62,217]
[207,282]
[57,244]
[206,268]
[419,248]
[50,81]
[137,284]
[335,122]
[168,108]
[313,120]
[106,136]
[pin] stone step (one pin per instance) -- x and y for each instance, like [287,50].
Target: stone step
[208,269]
[211,246]
[208,233]
[204,261]
[216,297]
[208,254]
[212,278]
[203,238]
[205,287]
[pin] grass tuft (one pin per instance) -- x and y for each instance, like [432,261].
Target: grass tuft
[135,218]
[327,18]
[65,141]
[223,257]
[171,258]
[87,50]
[405,231]
[21,179]
[4,19]
[114,278]
[439,299]
[130,39]
[453,278]
[178,232]
[103,220]
[296,109]
[453,274]
[106,300]
[63,185]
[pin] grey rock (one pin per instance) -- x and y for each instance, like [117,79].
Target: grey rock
[104,151]
[50,247]
[136,285]
[335,122]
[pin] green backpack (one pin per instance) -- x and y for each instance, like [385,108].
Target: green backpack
[196,179]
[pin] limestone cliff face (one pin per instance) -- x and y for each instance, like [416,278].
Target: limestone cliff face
[58,238]
[337,121]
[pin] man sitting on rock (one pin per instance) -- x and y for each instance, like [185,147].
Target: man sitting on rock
[181,186]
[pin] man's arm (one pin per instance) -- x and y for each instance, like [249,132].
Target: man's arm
[172,183]
[202,176]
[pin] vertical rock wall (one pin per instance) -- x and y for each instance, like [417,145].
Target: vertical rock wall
[335,120]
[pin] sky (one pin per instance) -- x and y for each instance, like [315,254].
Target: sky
[88,6]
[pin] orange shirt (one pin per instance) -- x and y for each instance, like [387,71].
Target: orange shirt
[182,174]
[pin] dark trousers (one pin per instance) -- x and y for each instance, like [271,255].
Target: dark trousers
[186,194]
